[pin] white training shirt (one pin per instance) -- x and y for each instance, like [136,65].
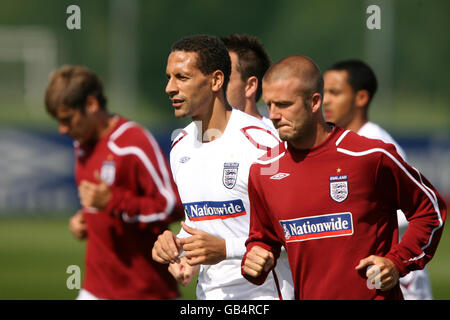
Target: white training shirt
[373,131]
[212,180]
[269,123]
[415,285]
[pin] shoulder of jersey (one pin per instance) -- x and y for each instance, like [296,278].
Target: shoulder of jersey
[374,131]
[127,132]
[352,141]
[258,133]
[182,134]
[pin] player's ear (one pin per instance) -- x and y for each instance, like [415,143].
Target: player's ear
[217,81]
[316,102]
[362,98]
[251,86]
[92,105]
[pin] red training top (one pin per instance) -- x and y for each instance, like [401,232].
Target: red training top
[335,204]
[144,200]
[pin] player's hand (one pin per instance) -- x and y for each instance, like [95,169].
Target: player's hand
[167,248]
[388,275]
[258,260]
[94,195]
[182,271]
[77,225]
[202,247]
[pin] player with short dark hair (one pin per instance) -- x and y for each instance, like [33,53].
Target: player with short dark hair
[126,191]
[333,201]
[350,86]
[210,58]
[250,62]
[360,76]
[347,106]
[210,159]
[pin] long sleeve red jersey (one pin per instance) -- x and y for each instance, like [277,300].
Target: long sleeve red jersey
[144,200]
[335,204]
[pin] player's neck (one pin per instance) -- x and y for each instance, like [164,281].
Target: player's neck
[318,134]
[214,122]
[106,123]
[357,123]
[251,109]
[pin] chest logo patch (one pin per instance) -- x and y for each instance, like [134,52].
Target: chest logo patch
[211,210]
[339,188]
[317,227]
[279,176]
[230,172]
[184,159]
[108,172]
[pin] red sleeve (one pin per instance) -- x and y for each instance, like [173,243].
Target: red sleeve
[262,229]
[154,198]
[404,187]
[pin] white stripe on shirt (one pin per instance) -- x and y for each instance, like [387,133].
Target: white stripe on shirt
[164,187]
[428,192]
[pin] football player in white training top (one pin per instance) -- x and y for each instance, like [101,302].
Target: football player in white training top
[249,63]
[210,161]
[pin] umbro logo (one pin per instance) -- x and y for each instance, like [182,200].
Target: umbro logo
[184,159]
[279,176]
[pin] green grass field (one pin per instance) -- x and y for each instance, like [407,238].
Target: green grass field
[35,254]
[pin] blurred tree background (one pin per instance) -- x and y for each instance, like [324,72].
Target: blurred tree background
[127,43]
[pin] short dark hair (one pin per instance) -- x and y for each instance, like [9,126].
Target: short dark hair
[212,54]
[360,75]
[70,86]
[253,59]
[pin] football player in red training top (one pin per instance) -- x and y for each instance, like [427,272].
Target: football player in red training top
[126,190]
[333,201]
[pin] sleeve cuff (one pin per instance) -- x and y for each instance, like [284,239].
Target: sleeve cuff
[401,266]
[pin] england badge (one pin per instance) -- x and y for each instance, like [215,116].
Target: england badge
[230,172]
[339,188]
[108,172]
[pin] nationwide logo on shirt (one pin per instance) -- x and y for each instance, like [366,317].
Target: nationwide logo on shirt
[317,227]
[210,210]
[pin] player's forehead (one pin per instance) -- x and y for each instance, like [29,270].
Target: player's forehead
[335,78]
[281,89]
[64,112]
[182,61]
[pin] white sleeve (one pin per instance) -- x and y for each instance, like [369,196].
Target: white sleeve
[235,247]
